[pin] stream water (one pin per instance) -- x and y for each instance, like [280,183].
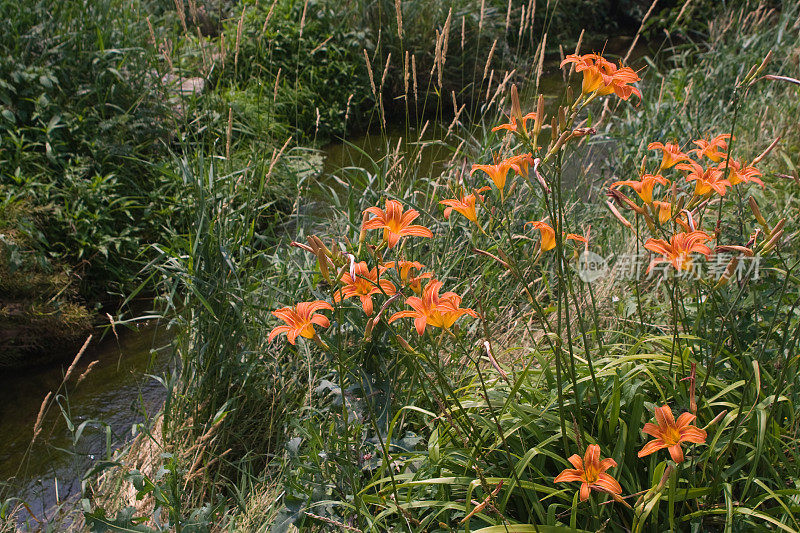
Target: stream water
[115,394]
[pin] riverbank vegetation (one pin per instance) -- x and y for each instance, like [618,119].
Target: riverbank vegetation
[580,314]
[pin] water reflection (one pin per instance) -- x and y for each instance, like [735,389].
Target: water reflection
[114,395]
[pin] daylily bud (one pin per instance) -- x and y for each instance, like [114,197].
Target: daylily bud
[487,254]
[778,228]
[764,154]
[729,270]
[716,419]
[301,246]
[681,203]
[370,326]
[516,109]
[504,256]
[764,63]
[363,233]
[770,245]
[618,215]
[621,199]
[733,248]
[537,123]
[580,132]
[539,177]
[750,74]
[407,347]
[569,94]
[562,118]
[561,141]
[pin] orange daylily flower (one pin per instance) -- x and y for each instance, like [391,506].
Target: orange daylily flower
[591,473]
[604,76]
[404,268]
[523,163]
[740,172]
[679,249]
[466,205]
[300,320]
[548,234]
[395,223]
[664,210]
[433,309]
[706,179]
[364,284]
[670,434]
[498,172]
[512,126]
[619,83]
[710,149]
[644,187]
[671,153]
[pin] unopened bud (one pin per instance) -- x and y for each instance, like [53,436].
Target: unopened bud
[771,243]
[764,154]
[516,109]
[537,123]
[729,270]
[363,233]
[370,327]
[407,347]
[618,215]
[580,132]
[764,63]
[716,419]
[778,228]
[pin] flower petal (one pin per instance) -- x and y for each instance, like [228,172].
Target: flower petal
[676,452]
[607,483]
[685,419]
[569,475]
[576,461]
[693,434]
[651,447]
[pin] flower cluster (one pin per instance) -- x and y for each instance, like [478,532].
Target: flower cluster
[357,280]
[702,176]
[667,433]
